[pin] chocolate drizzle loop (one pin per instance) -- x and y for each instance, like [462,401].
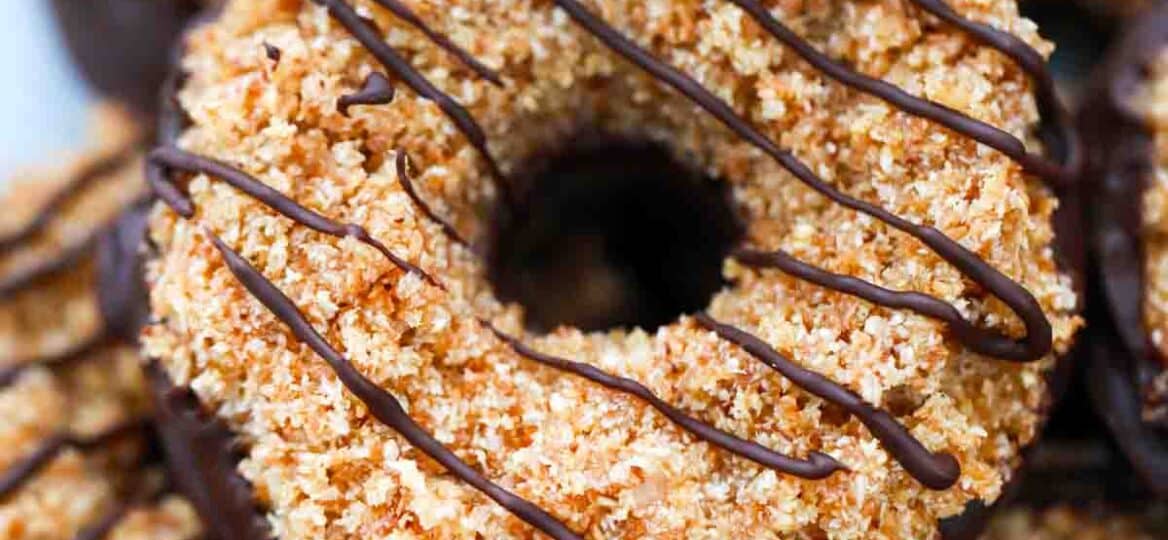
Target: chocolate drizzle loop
[174,158]
[17,475]
[9,375]
[1038,340]
[381,404]
[817,465]
[977,130]
[934,470]
[376,90]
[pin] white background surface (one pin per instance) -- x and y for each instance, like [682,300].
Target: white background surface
[42,100]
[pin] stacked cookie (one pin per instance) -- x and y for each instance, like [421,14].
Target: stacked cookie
[76,440]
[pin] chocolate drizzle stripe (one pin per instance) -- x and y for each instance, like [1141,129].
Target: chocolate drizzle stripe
[969,335]
[817,465]
[381,404]
[376,90]
[1038,341]
[934,470]
[9,375]
[116,515]
[82,180]
[68,259]
[19,474]
[370,37]
[957,121]
[404,13]
[1030,61]
[175,158]
[407,185]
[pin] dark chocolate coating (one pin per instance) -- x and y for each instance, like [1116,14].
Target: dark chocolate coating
[201,458]
[121,46]
[121,285]
[1120,162]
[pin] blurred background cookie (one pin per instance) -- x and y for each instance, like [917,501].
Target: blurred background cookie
[1124,122]
[77,458]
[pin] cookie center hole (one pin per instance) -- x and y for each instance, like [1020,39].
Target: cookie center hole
[610,233]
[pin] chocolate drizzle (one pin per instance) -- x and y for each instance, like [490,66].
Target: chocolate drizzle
[9,375]
[1038,340]
[936,470]
[120,290]
[67,259]
[78,184]
[122,301]
[174,158]
[974,338]
[69,256]
[407,184]
[19,474]
[957,121]
[1050,108]
[114,516]
[376,90]
[382,405]
[817,465]
[370,36]
[404,13]
[273,53]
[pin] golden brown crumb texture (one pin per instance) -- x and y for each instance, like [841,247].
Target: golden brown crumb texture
[607,465]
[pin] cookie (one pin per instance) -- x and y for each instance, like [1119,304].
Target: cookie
[77,458]
[358,180]
[1124,129]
